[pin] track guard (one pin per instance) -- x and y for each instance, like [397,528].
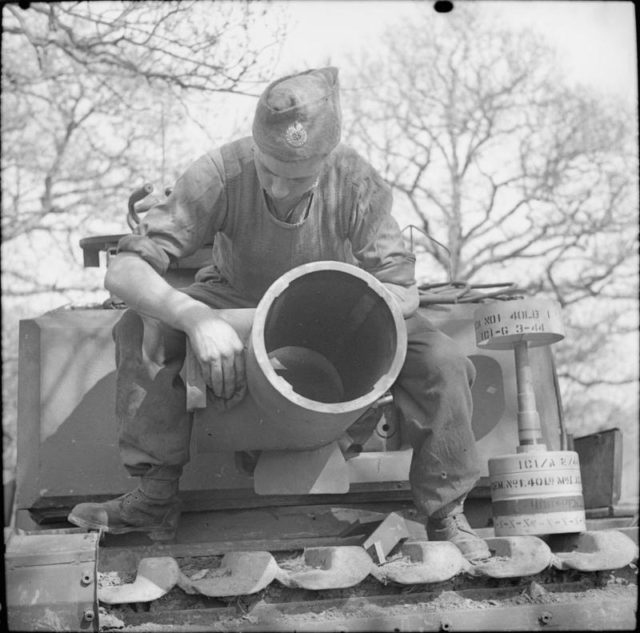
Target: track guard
[51,582]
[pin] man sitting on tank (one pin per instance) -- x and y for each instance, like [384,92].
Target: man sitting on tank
[287,195]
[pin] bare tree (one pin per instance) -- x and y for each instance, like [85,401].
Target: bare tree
[96,97]
[520,176]
[90,91]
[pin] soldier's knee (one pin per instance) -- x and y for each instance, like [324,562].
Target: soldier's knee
[128,326]
[452,362]
[159,341]
[437,354]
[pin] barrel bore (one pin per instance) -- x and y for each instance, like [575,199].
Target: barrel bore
[328,336]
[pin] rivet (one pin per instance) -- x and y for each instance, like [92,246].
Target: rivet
[89,615]
[545,618]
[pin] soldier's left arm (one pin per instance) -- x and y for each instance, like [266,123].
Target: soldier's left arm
[378,246]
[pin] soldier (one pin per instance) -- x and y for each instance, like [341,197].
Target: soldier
[287,195]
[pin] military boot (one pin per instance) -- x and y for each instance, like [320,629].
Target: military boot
[455,528]
[152,507]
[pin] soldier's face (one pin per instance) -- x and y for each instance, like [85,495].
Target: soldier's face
[286,182]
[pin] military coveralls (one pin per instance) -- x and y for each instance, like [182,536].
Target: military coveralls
[346,217]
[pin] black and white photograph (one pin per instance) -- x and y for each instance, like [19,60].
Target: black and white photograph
[320,315]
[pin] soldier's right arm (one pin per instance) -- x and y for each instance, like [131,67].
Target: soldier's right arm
[175,228]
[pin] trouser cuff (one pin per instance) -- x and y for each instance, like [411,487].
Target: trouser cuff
[161,482]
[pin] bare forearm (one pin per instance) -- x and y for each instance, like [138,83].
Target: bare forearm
[215,343]
[134,281]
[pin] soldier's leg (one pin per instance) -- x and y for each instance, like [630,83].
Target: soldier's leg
[154,426]
[433,392]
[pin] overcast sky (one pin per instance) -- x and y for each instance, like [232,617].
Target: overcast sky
[596,40]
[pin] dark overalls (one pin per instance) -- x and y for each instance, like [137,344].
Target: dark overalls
[348,219]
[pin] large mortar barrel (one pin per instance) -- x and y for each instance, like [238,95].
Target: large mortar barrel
[327,341]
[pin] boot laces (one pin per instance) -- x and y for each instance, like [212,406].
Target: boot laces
[461,523]
[135,504]
[451,525]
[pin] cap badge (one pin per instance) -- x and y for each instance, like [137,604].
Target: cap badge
[296,135]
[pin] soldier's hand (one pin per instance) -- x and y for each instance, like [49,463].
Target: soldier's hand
[220,353]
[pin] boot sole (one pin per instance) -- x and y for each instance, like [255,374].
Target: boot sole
[156,533]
